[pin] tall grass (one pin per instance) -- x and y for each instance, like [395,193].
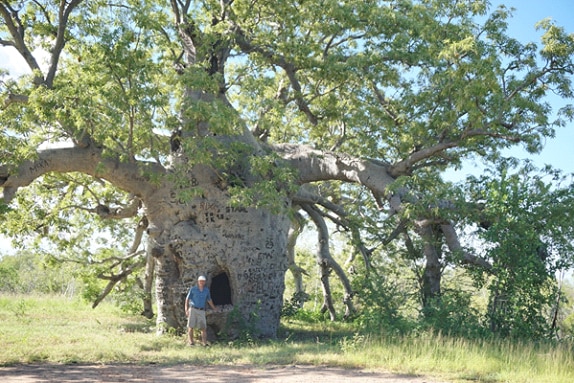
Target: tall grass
[51,329]
[465,360]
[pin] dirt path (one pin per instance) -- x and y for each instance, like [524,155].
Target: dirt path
[203,374]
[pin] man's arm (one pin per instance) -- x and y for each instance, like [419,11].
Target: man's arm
[187,303]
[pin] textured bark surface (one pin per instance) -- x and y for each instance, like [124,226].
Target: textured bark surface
[243,254]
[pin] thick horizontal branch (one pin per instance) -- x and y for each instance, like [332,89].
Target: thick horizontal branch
[15,98]
[88,160]
[316,165]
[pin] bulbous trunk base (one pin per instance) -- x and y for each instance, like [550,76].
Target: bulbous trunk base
[242,252]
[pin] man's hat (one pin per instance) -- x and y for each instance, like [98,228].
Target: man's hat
[201,278]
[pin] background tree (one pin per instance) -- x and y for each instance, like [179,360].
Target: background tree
[205,124]
[525,225]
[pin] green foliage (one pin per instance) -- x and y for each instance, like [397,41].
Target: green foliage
[527,233]
[453,314]
[41,273]
[567,327]
[294,304]
[28,272]
[8,276]
[384,304]
[247,328]
[129,296]
[294,310]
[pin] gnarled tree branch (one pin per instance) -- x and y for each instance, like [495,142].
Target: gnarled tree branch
[327,263]
[89,160]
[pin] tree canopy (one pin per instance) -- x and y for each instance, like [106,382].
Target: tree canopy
[343,113]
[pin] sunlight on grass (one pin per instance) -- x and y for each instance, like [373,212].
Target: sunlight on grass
[464,360]
[57,330]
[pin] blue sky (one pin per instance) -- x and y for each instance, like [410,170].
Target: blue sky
[558,151]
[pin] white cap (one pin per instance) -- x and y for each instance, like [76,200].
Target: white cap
[201,278]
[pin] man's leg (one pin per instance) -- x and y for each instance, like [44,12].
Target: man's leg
[204,336]
[190,334]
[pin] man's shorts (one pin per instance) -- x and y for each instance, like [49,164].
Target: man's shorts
[196,319]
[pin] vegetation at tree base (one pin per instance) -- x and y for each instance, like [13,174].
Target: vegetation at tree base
[107,335]
[154,127]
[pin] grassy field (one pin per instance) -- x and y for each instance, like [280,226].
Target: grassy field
[58,330]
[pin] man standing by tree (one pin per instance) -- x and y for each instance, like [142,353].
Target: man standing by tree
[195,301]
[208,134]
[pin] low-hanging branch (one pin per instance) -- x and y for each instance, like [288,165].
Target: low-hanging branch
[116,278]
[327,263]
[306,196]
[297,226]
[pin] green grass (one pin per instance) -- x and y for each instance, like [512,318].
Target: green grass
[50,329]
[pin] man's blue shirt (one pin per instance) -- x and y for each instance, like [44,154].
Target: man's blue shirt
[198,298]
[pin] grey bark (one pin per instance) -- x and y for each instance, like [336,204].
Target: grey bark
[297,225]
[328,264]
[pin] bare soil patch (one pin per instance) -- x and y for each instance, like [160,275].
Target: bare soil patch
[204,374]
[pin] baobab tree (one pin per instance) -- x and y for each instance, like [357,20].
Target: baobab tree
[212,125]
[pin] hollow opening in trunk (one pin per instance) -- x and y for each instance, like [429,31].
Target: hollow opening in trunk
[221,289]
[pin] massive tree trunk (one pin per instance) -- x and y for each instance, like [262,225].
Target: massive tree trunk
[242,251]
[224,241]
